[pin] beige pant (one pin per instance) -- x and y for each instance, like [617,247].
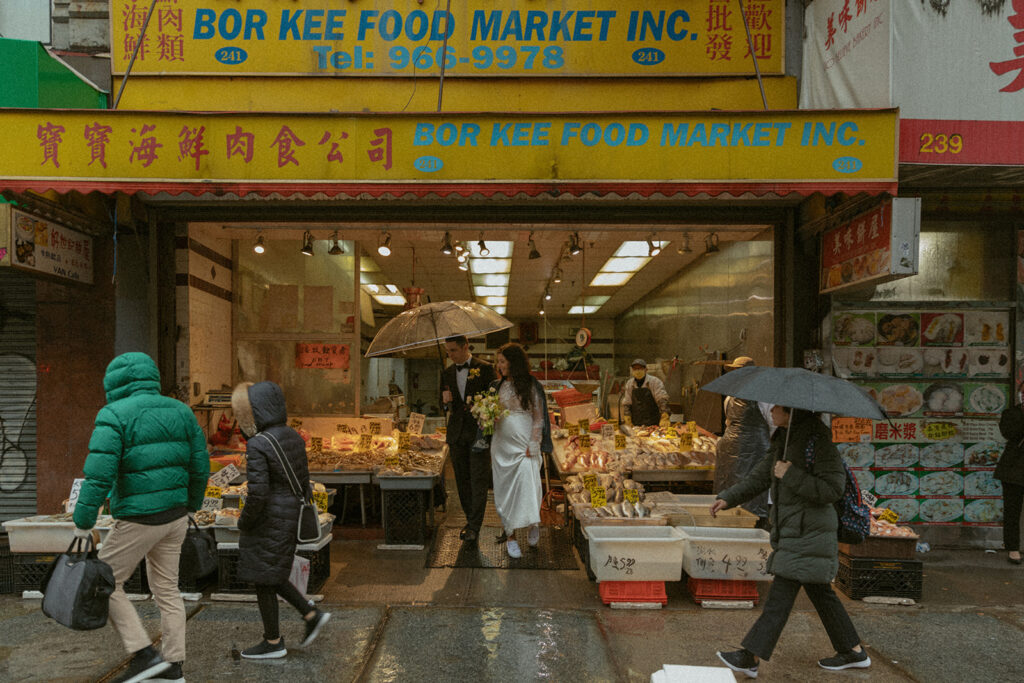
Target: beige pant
[125,546]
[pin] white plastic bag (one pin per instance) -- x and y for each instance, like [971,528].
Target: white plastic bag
[300,573]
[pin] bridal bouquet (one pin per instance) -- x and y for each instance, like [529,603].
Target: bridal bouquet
[487,409]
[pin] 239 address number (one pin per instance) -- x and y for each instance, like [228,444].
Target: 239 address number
[941,143]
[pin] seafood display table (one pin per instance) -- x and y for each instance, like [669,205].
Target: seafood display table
[346,479]
[690,474]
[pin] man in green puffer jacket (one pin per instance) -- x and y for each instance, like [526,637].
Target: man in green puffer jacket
[804,538]
[148,455]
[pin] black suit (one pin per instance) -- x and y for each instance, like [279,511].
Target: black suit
[472,471]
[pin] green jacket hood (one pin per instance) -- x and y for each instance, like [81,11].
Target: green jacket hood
[130,373]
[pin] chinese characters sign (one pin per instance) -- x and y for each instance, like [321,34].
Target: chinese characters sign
[322,356]
[873,247]
[252,150]
[39,245]
[407,38]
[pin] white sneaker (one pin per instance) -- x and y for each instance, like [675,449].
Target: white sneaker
[533,538]
[513,549]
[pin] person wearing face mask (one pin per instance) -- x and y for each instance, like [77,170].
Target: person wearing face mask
[644,401]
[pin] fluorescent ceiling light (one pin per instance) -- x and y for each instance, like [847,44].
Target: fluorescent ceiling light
[596,300]
[633,248]
[619,264]
[610,279]
[490,279]
[500,310]
[581,310]
[372,289]
[490,291]
[392,288]
[390,299]
[490,265]
[494,301]
[494,249]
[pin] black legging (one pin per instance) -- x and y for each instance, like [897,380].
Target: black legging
[266,597]
[1013,500]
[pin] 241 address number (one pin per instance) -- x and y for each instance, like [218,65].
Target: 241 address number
[941,143]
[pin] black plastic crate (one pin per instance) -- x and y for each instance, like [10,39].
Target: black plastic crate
[30,568]
[405,516]
[582,546]
[227,570]
[6,566]
[860,577]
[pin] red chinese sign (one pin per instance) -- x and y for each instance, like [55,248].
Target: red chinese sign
[322,356]
[857,251]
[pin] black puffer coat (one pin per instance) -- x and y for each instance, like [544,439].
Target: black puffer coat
[1010,467]
[270,518]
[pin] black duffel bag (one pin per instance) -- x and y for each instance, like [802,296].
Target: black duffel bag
[198,552]
[77,587]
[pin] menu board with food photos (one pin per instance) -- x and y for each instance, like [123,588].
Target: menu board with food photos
[942,377]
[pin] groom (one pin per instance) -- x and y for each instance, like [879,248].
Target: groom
[460,381]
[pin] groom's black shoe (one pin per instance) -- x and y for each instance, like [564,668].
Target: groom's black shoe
[462,534]
[471,536]
[501,538]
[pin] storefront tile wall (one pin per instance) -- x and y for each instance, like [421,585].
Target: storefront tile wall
[75,337]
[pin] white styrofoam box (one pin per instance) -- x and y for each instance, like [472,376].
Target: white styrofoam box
[675,673]
[231,534]
[635,553]
[41,534]
[725,553]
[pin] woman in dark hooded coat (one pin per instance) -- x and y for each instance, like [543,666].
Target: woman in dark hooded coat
[270,518]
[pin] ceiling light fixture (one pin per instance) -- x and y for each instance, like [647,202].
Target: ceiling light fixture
[534,254]
[575,246]
[541,311]
[711,243]
[462,256]
[685,248]
[652,248]
[464,265]
[336,249]
[446,244]
[556,277]
[307,243]
[384,246]
[484,251]
[258,247]
[547,295]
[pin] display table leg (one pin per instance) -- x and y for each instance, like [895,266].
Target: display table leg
[362,505]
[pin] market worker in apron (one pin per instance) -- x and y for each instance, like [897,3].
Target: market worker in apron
[645,401]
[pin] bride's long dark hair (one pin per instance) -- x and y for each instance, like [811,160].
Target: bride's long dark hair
[519,373]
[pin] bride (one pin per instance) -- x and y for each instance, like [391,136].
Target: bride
[515,448]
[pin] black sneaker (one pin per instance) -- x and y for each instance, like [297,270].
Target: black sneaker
[314,625]
[144,664]
[740,661]
[266,650]
[846,660]
[171,674]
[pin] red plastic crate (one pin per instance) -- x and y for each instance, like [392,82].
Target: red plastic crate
[721,589]
[632,591]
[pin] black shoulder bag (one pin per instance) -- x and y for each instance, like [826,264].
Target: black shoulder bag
[309,517]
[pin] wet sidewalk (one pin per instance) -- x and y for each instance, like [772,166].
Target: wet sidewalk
[395,620]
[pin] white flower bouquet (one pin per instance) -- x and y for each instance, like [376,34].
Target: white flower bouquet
[487,409]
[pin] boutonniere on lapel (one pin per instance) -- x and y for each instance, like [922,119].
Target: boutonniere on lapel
[474,372]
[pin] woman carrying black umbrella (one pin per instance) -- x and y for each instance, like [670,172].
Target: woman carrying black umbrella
[803,537]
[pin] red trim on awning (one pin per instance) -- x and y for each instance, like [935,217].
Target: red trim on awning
[532,189]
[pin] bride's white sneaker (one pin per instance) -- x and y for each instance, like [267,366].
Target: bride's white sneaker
[513,549]
[534,536]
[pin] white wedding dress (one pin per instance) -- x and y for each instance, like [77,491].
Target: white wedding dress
[517,487]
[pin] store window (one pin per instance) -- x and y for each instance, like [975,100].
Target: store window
[294,322]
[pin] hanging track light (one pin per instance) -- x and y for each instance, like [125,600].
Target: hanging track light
[685,248]
[652,248]
[384,245]
[446,244]
[534,254]
[556,277]
[575,246]
[484,251]
[547,295]
[335,249]
[711,243]
[307,243]
[258,247]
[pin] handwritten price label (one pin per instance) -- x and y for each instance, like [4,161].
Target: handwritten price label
[597,497]
[442,430]
[607,431]
[223,476]
[344,429]
[672,433]
[573,430]
[614,424]
[393,462]
[365,442]
[316,445]
[585,442]
[374,427]
[632,495]
[850,429]
[584,425]
[403,440]
[213,492]
[686,442]
[320,498]
[691,427]
[416,421]
[889,516]
[620,442]
[589,480]
[212,504]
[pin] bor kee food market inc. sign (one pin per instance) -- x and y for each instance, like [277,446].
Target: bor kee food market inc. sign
[875,247]
[41,246]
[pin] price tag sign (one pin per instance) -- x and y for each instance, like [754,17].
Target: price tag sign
[365,442]
[573,430]
[686,442]
[344,429]
[691,427]
[584,425]
[212,504]
[295,423]
[614,424]
[940,431]
[403,440]
[316,445]
[632,495]
[589,480]
[672,433]
[597,497]
[607,431]
[416,421]
[869,498]
[585,442]
[223,476]
[320,498]
[374,427]
[393,462]
[442,430]
[213,492]
[889,516]
[76,489]
[620,442]
[850,429]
